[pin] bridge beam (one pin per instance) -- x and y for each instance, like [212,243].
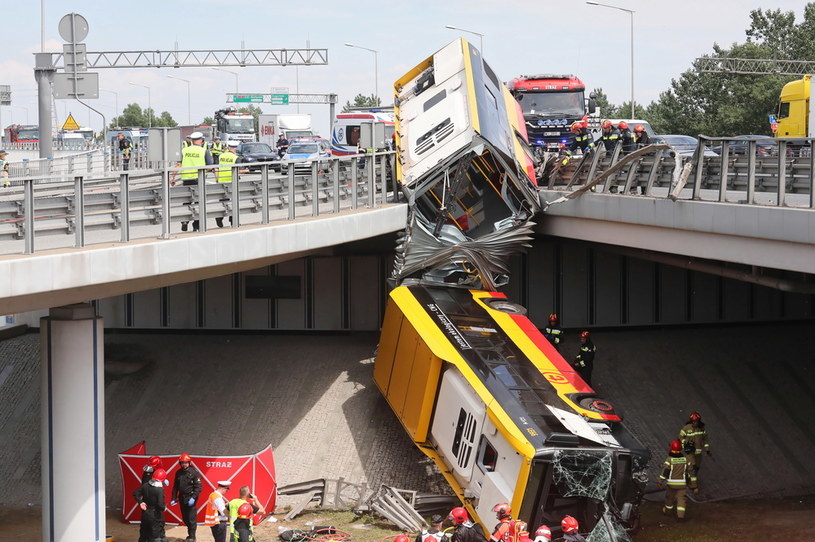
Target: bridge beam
[73,425]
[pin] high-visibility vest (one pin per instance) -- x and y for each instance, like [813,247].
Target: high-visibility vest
[217,147]
[213,516]
[193,156]
[225,172]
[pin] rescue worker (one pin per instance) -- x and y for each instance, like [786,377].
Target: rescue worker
[242,525]
[4,167]
[584,361]
[641,136]
[629,145]
[125,147]
[582,140]
[503,515]
[217,513]
[570,527]
[694,441]
[552,332]
[245,497]
[282,145]
[216,148]
[543,534]
[150,496]
[435,533]
[676,472]
[227,159]
[464,529]
[193,156]
[186,489]
[152,464]
[610,136]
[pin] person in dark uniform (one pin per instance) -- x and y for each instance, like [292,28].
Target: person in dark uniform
[584,361]
[282,145]
[186,489]
[465,530]
[552,332]
[125,147]
[610,136]
[150,496]
[629,145]
[641,136]
[582,140]
[435,533]
[152,464]
[570,526]
[243,523]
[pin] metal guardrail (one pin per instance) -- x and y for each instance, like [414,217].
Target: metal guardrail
[89,164]
[144,203]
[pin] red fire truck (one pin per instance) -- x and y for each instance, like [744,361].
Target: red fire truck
[22,133]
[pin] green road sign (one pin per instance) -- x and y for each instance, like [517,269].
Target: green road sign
[248,98]
[279,99]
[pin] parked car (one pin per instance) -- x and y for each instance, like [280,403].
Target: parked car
[681,145]
[255,153]
[300,155]
[765,145]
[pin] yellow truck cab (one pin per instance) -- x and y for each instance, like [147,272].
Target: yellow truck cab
[794,109]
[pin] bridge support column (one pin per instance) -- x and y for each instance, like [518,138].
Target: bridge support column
[73,425]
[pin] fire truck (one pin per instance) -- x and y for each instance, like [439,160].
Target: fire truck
[550,104]
[22,133]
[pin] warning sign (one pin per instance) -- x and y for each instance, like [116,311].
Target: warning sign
[70,123]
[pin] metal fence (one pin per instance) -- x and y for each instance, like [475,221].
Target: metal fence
[90,164]
[44,212]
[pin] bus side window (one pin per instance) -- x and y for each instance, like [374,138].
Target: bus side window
[487,455]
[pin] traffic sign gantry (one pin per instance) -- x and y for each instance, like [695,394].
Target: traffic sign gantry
[248,98]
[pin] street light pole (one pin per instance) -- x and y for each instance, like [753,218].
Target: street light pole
[631,14]
[480,36]
[116,97]
[189,116]
[376,65]
[149,106]
[233,73]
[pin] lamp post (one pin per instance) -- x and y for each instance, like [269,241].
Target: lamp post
[233,73]
[631,14]
[480,36]
[376,65]
[149,106]
[189,117]
[116,97]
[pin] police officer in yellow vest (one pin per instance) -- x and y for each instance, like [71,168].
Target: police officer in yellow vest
[216,148]
[194,156]
[226,160]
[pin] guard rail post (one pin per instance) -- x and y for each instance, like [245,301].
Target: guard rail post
[165,202]
[383,177]
[782,173]
[79,212]
[354,183]
[291,192]
[90,161]
[335,181]
[723,173]
[370,180]
[315,190]
[70,165]
[812,174]
[106,158]
[28,218]
[751,172]
[50,163]
[124,202]
[235,197]
[202,200]
[264,192]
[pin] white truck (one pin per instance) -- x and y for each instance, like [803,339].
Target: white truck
[291,125]
[231,125]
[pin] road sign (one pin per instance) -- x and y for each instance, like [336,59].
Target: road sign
[248,98]
[279,99]
[5,94]
[87,85]
[70,123]
[73,28]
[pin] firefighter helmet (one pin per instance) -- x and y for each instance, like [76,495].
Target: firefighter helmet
[553,319]
[245,511]
[695,417]
[184,457]
[154,461]
[543,534]
[639,128]
[569,524]
[676,447]
[584,334]
[576,126]
[502,510]
[458,515]
[622,125]
[159,475]
[607,124]
[401,538]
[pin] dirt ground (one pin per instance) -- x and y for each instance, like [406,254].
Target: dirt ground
[787,520]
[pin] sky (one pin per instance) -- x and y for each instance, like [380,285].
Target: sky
[519,37]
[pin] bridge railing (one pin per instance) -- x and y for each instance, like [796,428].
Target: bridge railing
[89,164]
[45,212]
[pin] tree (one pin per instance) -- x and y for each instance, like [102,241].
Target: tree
[607,109]
[134,117]
[360,100]
[208,121]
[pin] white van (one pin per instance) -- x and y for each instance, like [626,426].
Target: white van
[345,132]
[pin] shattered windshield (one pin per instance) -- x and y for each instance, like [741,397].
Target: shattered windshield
[548,104]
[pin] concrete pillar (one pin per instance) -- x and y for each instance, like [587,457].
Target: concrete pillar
[73,425]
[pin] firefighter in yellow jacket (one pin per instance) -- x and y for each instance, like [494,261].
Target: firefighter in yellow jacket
[676,473]
[694,441]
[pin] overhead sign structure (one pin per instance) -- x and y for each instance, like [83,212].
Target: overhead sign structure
[279,99]
[248,98]
[77,82]
[70,123]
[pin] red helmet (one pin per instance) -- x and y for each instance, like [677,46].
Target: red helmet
[607,124]
[458,515]
[553,319]
[184,457]
[584,334]
[622,125]
[695,417]
[569,524]
[639,128]
[676,446]
[543,533]
[160,475]
[154,461]
[245,511]
[502,510]
[401,538]
[576,126]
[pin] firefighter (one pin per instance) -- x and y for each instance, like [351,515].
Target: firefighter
[584,361]
[245,497]
[150,496]
[217,513]
[193,156]
[552,332]
[465,530]
[216,148]
[543,534]
[227,159]
[641,136]
[435,533]
[503,515]
[694,441]
[570,527]
[186,489]
[242,525]
[4,166]
[152,464]
[610,136]
[676,472]
[629,145]
[582,140]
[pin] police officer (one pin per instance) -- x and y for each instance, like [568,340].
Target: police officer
[217,512]
[4,167]
[465,530]
[193,156]
[282,145]
[216,148]
[435,532]
[629,145]
[582,140]
[187,142]
[677,474]
[150,496]
[227,160]
[552,332]
[584,361]
[610,136]
[186,489]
